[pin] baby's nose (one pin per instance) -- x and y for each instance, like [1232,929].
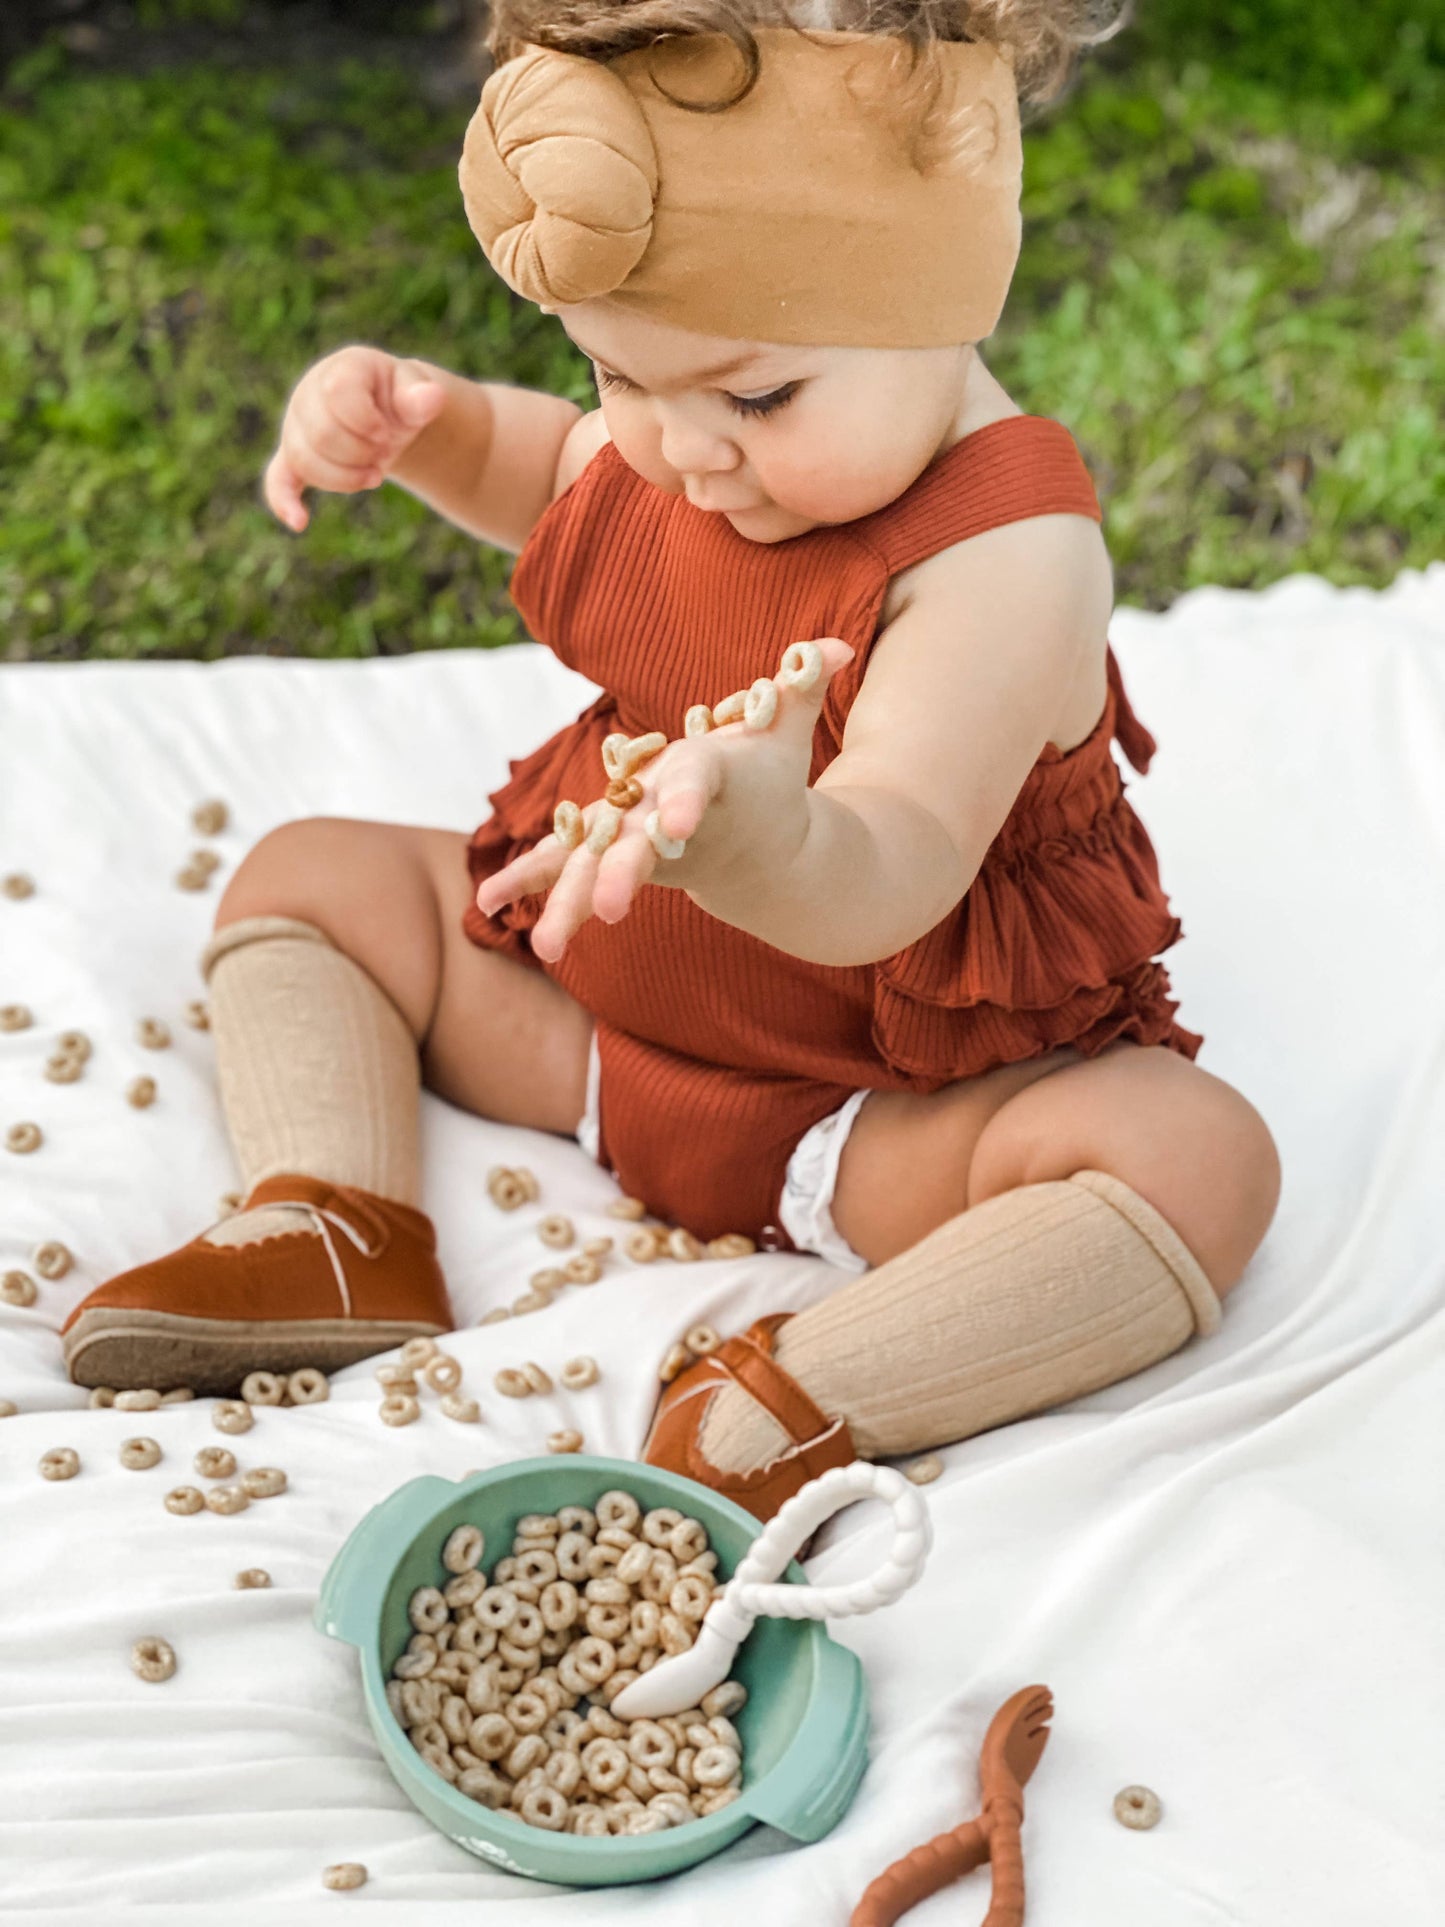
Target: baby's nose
[695,451]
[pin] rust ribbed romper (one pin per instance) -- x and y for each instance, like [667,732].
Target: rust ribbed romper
[717,1051]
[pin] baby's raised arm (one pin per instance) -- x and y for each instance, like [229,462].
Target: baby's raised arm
[481,453]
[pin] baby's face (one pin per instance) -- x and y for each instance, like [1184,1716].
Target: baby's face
[783,439]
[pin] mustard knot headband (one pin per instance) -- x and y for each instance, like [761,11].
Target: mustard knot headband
[796,215]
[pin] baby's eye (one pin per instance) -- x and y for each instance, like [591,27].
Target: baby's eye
[605,378]
[765,404]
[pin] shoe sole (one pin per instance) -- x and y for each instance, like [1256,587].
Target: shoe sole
[137,1350]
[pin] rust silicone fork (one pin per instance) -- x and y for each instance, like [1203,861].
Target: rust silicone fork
[1016,1737]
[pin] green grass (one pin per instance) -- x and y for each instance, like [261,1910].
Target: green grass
[1232,296]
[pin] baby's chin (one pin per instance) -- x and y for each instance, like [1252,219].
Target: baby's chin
[768,523]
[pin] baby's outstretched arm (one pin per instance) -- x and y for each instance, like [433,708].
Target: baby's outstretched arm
[962,691]
[960,695]
[481,453]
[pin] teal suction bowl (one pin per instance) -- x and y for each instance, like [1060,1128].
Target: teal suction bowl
[804,1728]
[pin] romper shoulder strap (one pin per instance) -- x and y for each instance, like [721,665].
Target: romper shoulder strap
[1022,466]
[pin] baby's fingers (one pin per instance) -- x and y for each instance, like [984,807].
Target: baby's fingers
[620,875]
[537,870]
[281,486]
[569,905]
[686,785]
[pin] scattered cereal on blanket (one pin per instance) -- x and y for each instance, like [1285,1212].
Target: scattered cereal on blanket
[178,1395]
[1137,1807]
[152,1659]
[192,877]
[496,1315]
[228,1202]
[536,1378]
[231,1415]
[308,1386]
[416,1351]
[62,1068]
[152,1034]
[506,1188]
[8,1408]
[344,1876]
[263,1482]
[145,1399]
[140,1093]
[578,1373]
[263,1388]
[642,1247]
[227,1499]
[632,1208]
[17,1288]
[566,1440]
[52,1259]
[701,1340]
[512,1384]
[185,1499]
[253,1579]
[18,886]
[924,1471]
[582,1270]
[15,1017]
[399,1408]
[23,1138]
[465,1411]
[682,1245]
[210,818]
[732,1244]
[63,1462]
[198,1014]
[139,1455]
[556,1231]
[443,1373]
[677,1360]
[530,1301]
[215,1462]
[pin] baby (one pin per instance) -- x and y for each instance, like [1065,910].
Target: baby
[892,997]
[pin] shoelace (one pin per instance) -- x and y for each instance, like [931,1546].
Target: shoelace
[321,1218]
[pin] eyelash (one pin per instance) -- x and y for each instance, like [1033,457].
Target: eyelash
[756,406]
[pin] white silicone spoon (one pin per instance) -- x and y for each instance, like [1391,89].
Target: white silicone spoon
[677,1683]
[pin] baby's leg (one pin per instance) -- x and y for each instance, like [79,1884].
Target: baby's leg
[1104,1210]
[338,969]
[338,973]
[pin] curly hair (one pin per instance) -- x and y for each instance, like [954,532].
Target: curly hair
[1043,37]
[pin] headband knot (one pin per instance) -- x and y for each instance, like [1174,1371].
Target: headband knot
[559,177]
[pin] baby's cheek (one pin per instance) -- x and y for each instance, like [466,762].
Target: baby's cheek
[828,483]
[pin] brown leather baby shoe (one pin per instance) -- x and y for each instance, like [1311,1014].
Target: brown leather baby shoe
[747,1360]
[364,1279]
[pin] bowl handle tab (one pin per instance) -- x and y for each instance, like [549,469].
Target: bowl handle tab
[809,1790]
[351,1592]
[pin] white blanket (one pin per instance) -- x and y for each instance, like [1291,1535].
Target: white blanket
[1228,1568]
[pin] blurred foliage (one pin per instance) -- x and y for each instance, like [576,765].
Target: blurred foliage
[1233,295]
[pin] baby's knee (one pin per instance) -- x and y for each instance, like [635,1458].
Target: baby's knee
[286,872]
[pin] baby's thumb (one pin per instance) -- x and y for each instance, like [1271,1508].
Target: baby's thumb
[418,400]
[807,668]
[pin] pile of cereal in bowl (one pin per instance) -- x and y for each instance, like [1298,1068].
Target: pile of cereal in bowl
[505,1688]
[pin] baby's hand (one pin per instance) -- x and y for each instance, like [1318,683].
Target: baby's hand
[350,417]
[736,797]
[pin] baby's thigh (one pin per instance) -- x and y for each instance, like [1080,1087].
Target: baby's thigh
[496,1037]
[904,1169]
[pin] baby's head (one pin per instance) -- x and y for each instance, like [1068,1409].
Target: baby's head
[821,192]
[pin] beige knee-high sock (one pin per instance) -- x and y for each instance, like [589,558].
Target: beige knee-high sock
[318,1069]
[1037,1296]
